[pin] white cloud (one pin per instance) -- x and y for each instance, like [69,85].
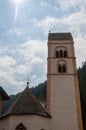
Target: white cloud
[3,49]
[46,24]
[68,4]
[73,21]
[33,50]
[80,48]
[14,32]
[30,58]
[28,61]
[33,64]
[6,61]
[22,69]
[44,4]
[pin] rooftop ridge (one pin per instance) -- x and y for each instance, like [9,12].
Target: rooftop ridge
[60,36]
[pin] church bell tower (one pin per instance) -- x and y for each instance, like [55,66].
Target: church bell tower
[63,99]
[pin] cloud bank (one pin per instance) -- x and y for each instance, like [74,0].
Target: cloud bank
[23,44]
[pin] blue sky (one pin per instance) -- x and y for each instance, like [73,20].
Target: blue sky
[24,30]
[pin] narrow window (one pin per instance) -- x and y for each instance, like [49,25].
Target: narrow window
[64,68]
[61,53]
[59,68]
[65,53]
[57,54]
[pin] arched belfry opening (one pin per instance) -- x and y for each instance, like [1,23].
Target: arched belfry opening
[61,66]
[60,52]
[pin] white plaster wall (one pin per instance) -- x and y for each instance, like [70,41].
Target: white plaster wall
[4,123]
[63,103]
[31,122]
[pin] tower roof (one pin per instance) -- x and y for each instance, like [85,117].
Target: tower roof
[26,103]
[60,36]
[4,94]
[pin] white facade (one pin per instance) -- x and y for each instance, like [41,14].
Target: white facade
[62,96]
[31,122]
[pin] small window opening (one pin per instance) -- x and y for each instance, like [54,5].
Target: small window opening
[57,54]
[64,68]
[59,69]
[65,53]
[61,53]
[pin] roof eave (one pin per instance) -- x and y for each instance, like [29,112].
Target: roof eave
[4,94]
[38,114]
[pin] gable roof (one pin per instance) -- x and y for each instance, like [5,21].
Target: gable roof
[60,36]
[4,94]
[26,103]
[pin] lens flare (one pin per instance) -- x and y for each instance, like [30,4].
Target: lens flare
[16,14]
[17,4]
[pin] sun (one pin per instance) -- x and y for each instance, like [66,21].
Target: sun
[17,2]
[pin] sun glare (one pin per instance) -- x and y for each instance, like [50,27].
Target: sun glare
[17,2]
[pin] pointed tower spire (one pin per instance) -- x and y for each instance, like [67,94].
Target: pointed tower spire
[27,83]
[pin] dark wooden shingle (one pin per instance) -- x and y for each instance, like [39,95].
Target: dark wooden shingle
[60,36]
[26,103]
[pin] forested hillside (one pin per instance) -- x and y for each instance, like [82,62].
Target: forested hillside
[40,92]
[82,86]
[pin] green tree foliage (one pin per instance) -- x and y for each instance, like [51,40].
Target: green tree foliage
[40,90]
[82,87]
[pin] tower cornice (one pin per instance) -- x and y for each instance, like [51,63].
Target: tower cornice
[62,74]
[60,42]
[61,58]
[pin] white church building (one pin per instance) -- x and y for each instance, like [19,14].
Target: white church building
[63,108]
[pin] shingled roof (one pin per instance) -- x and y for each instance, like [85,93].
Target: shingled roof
[4,94]
[60,36]
[26,103]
